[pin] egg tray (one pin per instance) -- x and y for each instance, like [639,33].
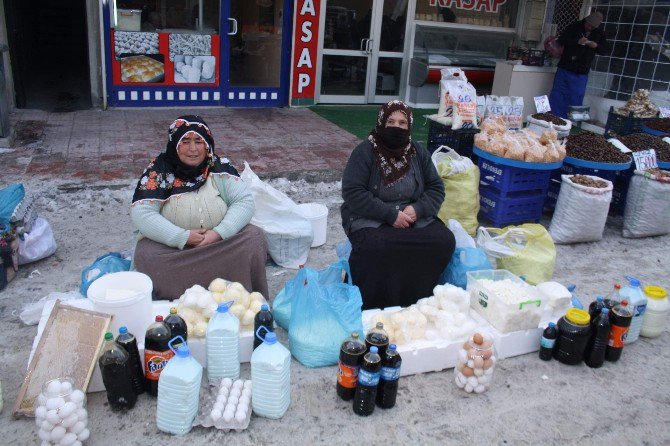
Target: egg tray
[204,419]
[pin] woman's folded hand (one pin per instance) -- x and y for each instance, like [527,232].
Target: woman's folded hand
[195,237]
[210,236]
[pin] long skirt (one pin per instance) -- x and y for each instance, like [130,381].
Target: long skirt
[393,266]
[241,258]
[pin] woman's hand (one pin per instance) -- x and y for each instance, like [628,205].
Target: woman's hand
[591,44]
[410,212]
[210,237]
[403,220]
[195,237]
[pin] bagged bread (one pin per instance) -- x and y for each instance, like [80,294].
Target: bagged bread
[448,75]
[464,98]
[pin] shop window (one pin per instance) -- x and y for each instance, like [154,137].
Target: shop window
[470,12]
[167,16]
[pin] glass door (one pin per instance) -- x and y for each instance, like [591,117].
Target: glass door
[345,61]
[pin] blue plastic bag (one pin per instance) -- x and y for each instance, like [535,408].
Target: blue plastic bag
[324,312]
[112,262]
[464,260]
[10,198]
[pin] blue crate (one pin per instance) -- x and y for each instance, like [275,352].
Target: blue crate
[654,131]
[459,140]
[511,175]
[620,191]
[552,195]
[518,207]
[624,125]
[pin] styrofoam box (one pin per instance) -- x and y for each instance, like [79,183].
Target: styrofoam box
[197,345]
[433,356]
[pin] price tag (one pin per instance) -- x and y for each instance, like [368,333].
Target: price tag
[665,112]
[542,104]
[645,159]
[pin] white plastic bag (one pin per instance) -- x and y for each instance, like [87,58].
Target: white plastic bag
[37,244]
[463,239]
[538,126]
[31,313]
[288,233]
[647,210]
[448,75]
[581,212]
[464,108]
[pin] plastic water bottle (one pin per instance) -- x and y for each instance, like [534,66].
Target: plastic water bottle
[548,341]
[595,350]
[388,382]
[117,374]
[638,303]
[613,298]
[223,345]
[129,343]
[178,391]
[368,380]
[270,377]
[263,318]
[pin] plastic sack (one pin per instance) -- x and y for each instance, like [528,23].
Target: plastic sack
[448,75]
[581,212]
[112,262]
[37,244]
[552,47]
[525,250]
[647,210]
[10,197]
[463,239]
[343,249]
[288,233]
[324,311]
[464,113]
[464,260]
[461,188]
[32,312]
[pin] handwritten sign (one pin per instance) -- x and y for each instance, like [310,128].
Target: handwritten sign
[645,159]
[542,104]
[665,112]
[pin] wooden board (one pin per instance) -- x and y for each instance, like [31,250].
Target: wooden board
[69,346]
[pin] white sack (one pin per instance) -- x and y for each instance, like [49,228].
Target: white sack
[647,210]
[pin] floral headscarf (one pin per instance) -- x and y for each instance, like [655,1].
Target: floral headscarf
[393,163]
[167,175]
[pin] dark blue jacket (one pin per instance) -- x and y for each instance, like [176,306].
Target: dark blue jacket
[578,58]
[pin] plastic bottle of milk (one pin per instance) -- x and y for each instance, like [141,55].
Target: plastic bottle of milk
[178,391]
[656,316]
[270,377]
[638,303]
[222,343]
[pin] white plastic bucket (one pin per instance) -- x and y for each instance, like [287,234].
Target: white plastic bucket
[317,214]
[129,300]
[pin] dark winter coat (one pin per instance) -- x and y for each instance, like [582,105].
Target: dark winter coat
[578,58]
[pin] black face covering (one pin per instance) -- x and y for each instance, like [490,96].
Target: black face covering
[395,137]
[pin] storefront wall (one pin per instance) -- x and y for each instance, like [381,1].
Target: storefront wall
[165,57]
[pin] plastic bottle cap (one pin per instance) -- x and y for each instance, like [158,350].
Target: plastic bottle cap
[183,351]
[374,349]
[633,281]
[605,310]
[264,307]
[599,298]
[552,324]
[392,347]
[624,303]
[109,336]
[577,316]
[617,286]
[380,325]
[222,308]
[123,330]
[655,292]
[173,310]
[159,318]
[270,338]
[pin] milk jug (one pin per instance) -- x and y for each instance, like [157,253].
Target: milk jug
[270,377]
[638,303]
[178,391]
[222,344]
[656,316]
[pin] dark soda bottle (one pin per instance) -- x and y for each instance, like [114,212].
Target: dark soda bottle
[157,353]
[177,326]
[548,341]
[368,380]
[620,318]
[613,298]
[351,356]
[379,338]
[595,307]
[117,375]
[263,319]
[595,350]
[129,343]
[388,382]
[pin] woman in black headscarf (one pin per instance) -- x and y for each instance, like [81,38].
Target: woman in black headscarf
[192,211]
[392,193]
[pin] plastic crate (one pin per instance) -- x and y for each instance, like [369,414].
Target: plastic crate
[511,179]
[534,58]
[517,207]
[654,131]
[516,52]
[624,125]
[459,140]
[523,314]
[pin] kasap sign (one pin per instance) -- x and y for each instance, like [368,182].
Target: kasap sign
[305,48]
[474,5]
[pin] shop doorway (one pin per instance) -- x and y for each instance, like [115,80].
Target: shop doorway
[362,53]
[48,46]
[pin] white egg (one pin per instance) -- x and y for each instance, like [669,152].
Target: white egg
[57,433]
[247,384]
[246,392]
[235,392]
[223,391]
[83,435]
[67,409]
[242,405]
[238,384]
[218,406]
[55,403]
[41,400]
[479,389]
[82,414]
[479,372]
[77,397]
[233,400]
[484,379]
[215,414]
[240,416]
[41,412]
[53,387]
[71,420]
[472,381]
[47,426]
[65,387]
[228,415]
[52,417]
[78,427]
[68,439]
[488,372]
[459,383]
[226,382]
[45,435]
[469,388]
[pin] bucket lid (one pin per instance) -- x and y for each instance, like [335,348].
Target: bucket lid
[577,316]
[109,336]
[655,292]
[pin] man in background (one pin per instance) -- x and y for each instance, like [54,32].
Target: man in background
[581,41]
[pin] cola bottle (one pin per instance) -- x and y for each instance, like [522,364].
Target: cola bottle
[595,307]
[263,319]
[548,341]
[388,382]
[595,350]
[129,343]
[351,356]
[379,338]
[620,318]
[177,326]
[368,380]
[157,353]
[613,298]
[117,375]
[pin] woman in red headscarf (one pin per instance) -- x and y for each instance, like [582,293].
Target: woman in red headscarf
[392,194]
